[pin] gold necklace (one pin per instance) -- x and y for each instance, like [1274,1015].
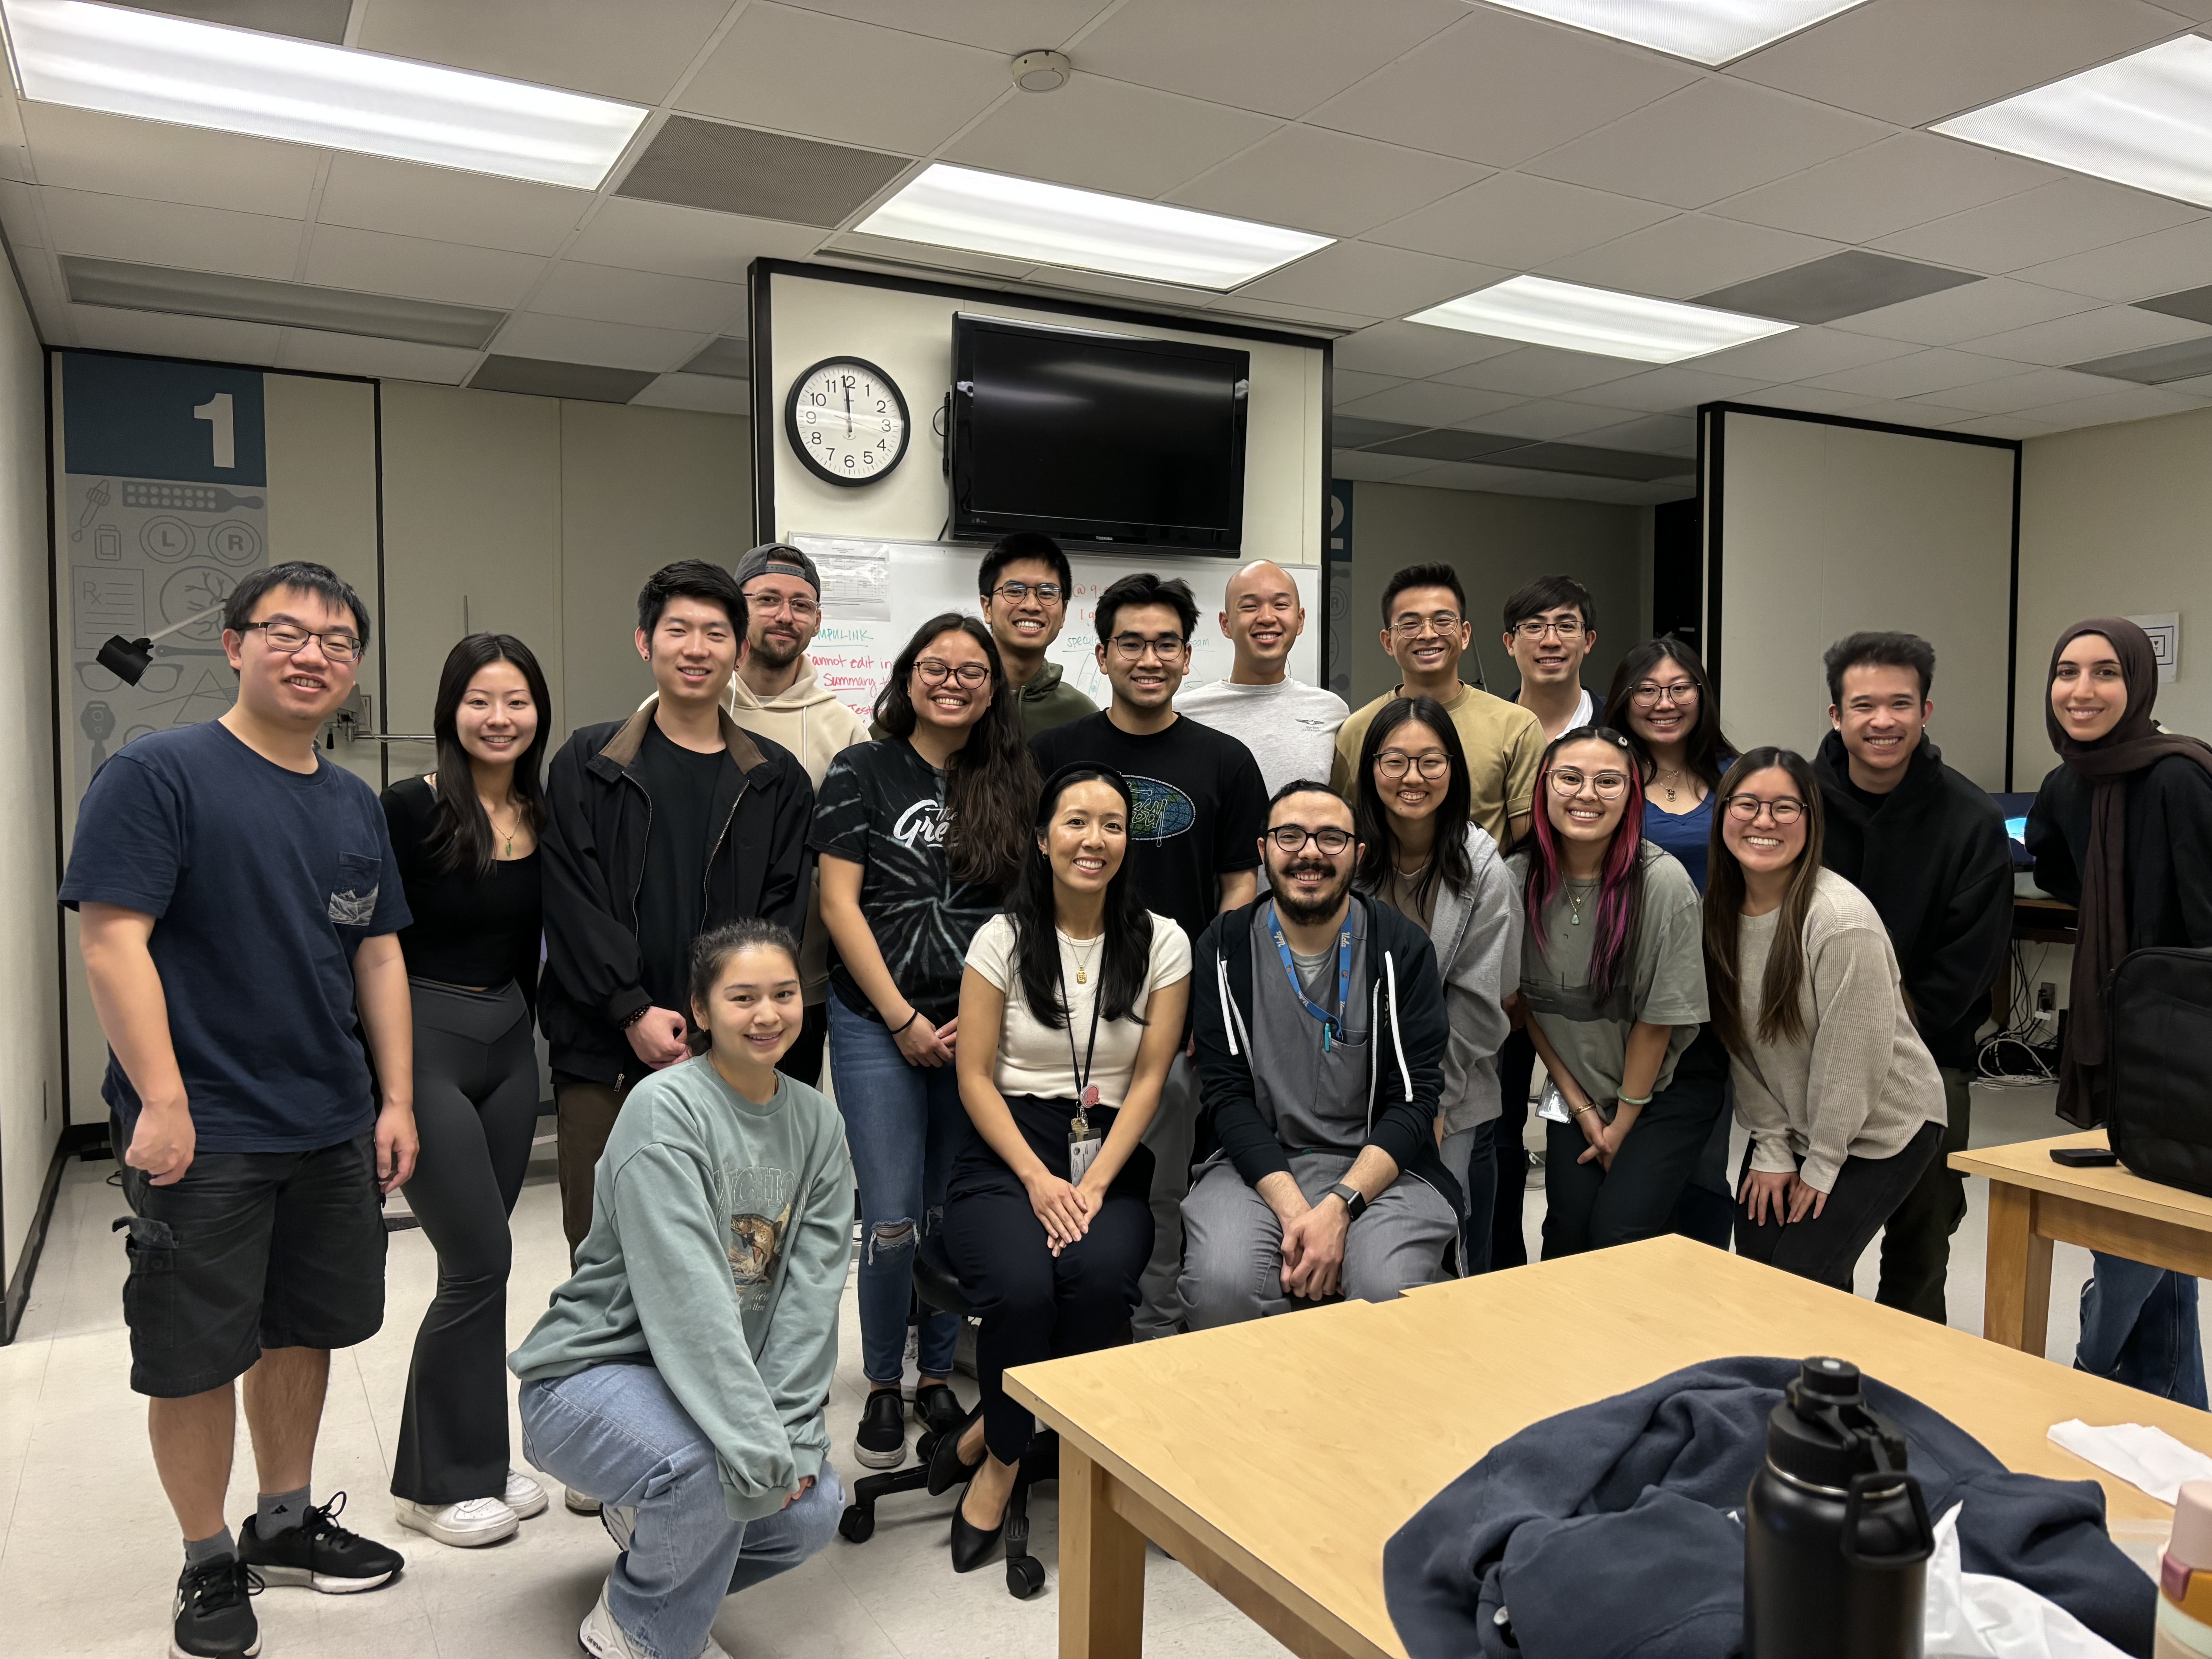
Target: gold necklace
[507,849]
[1669,787]
[1576,900]
[1082,961]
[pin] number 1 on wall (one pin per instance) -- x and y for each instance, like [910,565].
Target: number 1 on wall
[215,411]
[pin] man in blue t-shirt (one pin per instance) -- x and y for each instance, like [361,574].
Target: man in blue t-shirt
[240,906]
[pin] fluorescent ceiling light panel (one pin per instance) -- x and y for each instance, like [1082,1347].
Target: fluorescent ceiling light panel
[1056,225]
[2145,121]
[158,68]
[1704,31]
[1597,320]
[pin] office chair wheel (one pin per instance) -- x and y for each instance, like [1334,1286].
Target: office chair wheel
[856,1525]
[1024,1577]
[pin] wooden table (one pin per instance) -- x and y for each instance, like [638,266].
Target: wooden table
[2034,1202]
[1274,1460]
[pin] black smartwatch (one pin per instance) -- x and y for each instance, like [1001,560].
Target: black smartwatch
[1355,1201]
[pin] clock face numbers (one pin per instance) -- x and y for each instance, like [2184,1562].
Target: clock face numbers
[847,421]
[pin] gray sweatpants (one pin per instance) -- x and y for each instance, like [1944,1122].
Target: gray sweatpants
[1171,1135]
[1232,1249]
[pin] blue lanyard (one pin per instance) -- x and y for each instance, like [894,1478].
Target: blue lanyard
[1331,1026]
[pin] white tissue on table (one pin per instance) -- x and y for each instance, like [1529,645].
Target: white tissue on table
[2144,1457]
[1972,1615]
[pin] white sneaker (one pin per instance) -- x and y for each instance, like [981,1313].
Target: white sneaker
[465,1526]
[524,1496]
[602,1638]
[620,1522]
[910,1365]
[578,1503]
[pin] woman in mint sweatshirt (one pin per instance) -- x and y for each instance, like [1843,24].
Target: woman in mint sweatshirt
[680,1374]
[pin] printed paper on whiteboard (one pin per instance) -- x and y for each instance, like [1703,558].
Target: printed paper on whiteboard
[856,577]
[2164,628]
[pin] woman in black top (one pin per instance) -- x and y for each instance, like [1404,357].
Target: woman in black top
[466,841]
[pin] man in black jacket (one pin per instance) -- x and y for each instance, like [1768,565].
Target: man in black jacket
[1928,847]
[659,828]
[1321,1032]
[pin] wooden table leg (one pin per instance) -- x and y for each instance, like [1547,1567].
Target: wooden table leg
[2016,1292]
[1102,1567]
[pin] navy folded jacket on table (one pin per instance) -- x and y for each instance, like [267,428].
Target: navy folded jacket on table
[1615,1530]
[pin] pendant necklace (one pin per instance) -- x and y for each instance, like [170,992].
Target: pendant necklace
[1669,787]
[1575,900]
[1083,960]
[506,849]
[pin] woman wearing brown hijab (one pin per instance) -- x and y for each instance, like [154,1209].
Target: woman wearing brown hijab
[2123,829]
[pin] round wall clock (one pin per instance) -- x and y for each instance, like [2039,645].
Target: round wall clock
[846,420]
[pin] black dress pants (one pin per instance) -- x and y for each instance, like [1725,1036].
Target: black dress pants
[476,1111]
[1827,1248]
[1035,1305]
[1589,1207]
[1517,1066]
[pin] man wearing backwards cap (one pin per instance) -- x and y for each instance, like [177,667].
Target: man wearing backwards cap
[775,694]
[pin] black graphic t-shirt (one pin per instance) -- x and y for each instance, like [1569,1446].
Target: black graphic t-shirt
[882,806]
[1200,807]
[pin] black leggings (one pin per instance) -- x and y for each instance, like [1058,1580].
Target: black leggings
[1035,1305]
[476,1111]
[1588,1206]
[1827,1248]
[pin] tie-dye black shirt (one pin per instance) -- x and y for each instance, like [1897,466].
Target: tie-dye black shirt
[882,806]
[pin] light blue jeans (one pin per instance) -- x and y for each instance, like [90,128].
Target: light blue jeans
[2139,1326]
[615,1432]
[904,1125]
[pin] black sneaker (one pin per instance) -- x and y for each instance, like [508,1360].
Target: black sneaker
[881,1443]
[214,1616]
[319,1553]
[936,1408]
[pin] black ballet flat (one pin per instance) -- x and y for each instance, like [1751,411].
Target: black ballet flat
[971,1545]
[947,1470]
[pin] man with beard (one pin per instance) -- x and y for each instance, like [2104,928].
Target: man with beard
[1321,1032]
[775,694]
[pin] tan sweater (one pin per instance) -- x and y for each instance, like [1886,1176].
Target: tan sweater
[1861,1082]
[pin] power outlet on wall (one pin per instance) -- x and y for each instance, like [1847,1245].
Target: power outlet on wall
[2046,997]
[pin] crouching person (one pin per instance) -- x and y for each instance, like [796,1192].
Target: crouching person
[680,1374]
[1321,1032]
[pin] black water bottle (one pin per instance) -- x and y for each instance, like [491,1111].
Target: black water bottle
[1836,1534]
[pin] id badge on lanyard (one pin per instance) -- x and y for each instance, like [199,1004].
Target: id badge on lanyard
[1083,1141]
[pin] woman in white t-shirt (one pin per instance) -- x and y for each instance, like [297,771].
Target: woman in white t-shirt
[1071,1009]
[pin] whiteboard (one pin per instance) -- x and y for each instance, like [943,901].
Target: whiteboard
[876,592]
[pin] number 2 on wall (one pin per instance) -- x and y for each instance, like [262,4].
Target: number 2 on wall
[215,411]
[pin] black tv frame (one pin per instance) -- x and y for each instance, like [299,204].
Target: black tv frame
[968,525]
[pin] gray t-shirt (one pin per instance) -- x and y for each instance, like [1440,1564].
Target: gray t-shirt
[1315,1097]
[1664,985]
[1289,727]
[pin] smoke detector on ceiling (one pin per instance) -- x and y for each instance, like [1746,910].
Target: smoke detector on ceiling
[1041,71]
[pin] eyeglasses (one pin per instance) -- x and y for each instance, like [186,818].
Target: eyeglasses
[1646,694]
[1410,625]
[1293,837]
[1606,786]
[1015,592]
[1132,646]
[1536,628]
[767,605]
[289,639]
[1394,763]
[1745,809]
[931,672]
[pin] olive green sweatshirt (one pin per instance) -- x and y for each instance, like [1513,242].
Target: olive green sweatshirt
[722,1231]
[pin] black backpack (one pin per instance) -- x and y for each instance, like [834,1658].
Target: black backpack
[2158,1018]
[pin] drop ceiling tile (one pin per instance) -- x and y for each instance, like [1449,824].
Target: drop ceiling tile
[1321,318]
[1801,353]
[607,346]
[1534,371]
[2051,221]
[377,262]
[1589,461]
[1549,419]
[1415,351]
[607,295]
[1841,285]
[1350,432]
[371,193]
[1913,412]
[1717,137]
[1332,183]
[1379,282]
[1916,373]
[1365,466]
[2137,404]
[1280,57]
[42,288]
[1448,444]
[1673,390]
[2004,426]
[1689,254]
[323,21]
[1003,26]
[1994,304]
[2140,267]
[82,149]
[2201,387]
[20,215]
[1916,61]
[382,360]
[169,234]
[1520,221]
[1804,399]
[891,91]
[1066,279]
[2027,390]
[705,393]
[1499,87]
[541,377]
[162,335]
[886,250]
[1348,385]
[694,162]
[1429,403]
[2105,332]
[2169,364]
[1661,434]
[1108,135]
[1904,180]
[630,51]
[682,241]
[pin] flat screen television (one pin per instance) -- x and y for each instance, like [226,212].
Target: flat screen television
[1097,438]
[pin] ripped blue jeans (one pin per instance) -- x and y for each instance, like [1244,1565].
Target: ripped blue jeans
[904,1125]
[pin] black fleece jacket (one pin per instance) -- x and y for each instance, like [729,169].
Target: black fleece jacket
[1935,861]
[2168,851]
[598,818]
[1406,1053]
